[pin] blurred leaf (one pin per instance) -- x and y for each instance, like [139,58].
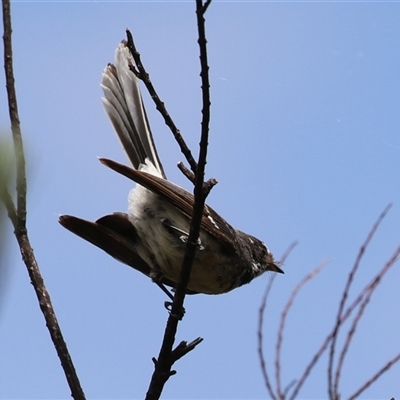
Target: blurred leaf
[7,163]
[7,168]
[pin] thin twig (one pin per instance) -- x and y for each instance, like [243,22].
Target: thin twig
[261,356]
[332,385]
[18,217]
[142,74]
[366,298]
[261,313]
[205,6]
[187,172]
[183,348]
[350,336]
[378,277]
[14,118]
[165,359]
[285,311]
[375,377]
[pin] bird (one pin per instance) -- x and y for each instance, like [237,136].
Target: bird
[151,237]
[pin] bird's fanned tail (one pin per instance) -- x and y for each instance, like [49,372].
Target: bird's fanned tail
[124,106]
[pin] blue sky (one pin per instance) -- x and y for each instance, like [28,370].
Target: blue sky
[305,145]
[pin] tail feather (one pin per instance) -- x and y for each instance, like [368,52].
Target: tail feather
[114,234]
[124,106]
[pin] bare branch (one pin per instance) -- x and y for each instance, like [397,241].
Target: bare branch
[183,348]
[285,311]
[207,186]
[14,118]
[332,385]
[261,321]
[366,298]
[187,172]
[350,335]
[145,77]
[18,216]
[374,282]
[374,378]
[165,359]
[205,6]
[260,337]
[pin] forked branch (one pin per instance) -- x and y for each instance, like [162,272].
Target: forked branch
[166,357]
[360,302]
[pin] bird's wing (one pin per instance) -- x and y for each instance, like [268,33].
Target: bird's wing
[212,222]
[114,234]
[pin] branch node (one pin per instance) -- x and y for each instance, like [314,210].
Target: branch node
[187,172]
[207,186]
[179,315]
[183,348]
